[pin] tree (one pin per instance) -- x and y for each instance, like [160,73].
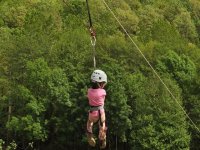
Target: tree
[158,122]
[183,70]
[185,25]
[46,60]
[43,97]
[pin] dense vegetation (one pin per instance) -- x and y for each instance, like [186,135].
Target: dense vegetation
[46,62]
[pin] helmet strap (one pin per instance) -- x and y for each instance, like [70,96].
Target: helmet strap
[101,85]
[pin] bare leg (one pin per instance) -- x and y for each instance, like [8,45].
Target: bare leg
[102,132]
[89,126]
[90,122]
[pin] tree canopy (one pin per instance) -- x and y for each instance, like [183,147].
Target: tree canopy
[46,60]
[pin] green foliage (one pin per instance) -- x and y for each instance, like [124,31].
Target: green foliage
[186,26]
[46,59]
[1,143]
[119,120]
[180,68]
[156,116]
[11,146]
[31,130]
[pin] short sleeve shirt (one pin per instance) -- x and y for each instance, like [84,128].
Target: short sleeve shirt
[96,97]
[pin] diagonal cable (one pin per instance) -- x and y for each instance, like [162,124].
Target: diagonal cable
[150,65]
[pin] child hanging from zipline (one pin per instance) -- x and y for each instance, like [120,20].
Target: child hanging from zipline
[96,96]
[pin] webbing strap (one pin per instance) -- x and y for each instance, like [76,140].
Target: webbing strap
[95,108]
[92,33]
[98,108]
[101,123]
[94,54]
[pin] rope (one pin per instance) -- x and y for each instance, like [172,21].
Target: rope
[150,65]
[92,33]
[89,15]
[93,42]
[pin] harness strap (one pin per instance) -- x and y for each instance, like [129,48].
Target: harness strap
[101,123]
[97,108]
[92,33]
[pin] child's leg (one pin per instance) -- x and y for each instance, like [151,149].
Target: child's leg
[90,122]
[102,131]
[102,127]
[89,126]
[90,137]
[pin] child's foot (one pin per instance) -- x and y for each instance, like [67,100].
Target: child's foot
[102,144]
[91,139]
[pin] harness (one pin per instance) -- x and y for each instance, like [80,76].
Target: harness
[97,108]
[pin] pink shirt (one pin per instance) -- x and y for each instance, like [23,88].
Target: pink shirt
[96,96]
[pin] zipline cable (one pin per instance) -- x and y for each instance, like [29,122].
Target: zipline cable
[150,65]
[89,15]
[92,34]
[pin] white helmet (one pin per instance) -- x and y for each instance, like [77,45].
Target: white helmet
[99,76]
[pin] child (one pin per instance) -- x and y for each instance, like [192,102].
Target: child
[96,96]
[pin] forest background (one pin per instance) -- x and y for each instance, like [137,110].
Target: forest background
[46,60]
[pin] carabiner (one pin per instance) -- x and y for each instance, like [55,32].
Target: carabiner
[93,41]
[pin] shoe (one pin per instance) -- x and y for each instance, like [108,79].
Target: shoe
[102,133]
[91,140]
[103,144]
